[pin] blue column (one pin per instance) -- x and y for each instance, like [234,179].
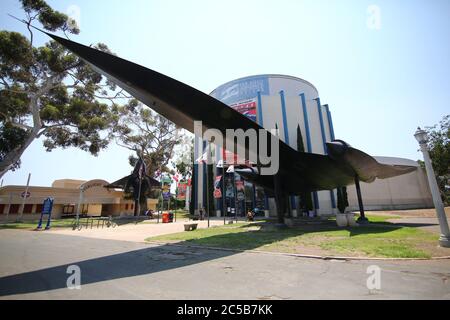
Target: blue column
[305,117]
[195,169]
[322,130]
[283,112]
[205,167]
[261,123]
[330,122]
[286,135]
[260,114]
[308,141]
[330,125]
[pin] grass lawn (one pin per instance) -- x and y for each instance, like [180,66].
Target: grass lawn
[182,214]
[55,223]
[379,239]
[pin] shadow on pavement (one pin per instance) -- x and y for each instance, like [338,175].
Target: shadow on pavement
[159,258]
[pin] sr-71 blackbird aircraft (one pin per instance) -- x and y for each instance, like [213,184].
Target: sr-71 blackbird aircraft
[298,171]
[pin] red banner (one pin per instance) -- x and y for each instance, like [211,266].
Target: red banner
[181,191]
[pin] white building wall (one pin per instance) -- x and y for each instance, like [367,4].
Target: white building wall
[271,109]
[408,191]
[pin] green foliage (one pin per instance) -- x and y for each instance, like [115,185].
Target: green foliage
[50,19]
[49,92]
[439,147]
[138,128]
[11,137]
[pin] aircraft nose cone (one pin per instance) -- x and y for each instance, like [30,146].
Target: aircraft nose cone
[336,148]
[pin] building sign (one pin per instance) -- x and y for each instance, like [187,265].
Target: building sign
[25,194]
[92,184]
[247,108]
[242,89]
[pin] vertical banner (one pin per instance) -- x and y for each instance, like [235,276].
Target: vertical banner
[181,195]
[240,190]
[217,190]
[166,182]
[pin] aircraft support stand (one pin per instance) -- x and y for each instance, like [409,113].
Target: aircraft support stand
[362,218]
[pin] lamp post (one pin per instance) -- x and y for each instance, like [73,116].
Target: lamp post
[444,239]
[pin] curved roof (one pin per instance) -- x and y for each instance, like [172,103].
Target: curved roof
[268,75]
[397,161]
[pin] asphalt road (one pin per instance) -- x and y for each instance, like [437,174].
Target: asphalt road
[33,265]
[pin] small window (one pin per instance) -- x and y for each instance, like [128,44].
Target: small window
[14,208]
[69,209]
[28,208]
[38,208]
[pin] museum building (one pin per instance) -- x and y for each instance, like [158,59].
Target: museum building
[293,108]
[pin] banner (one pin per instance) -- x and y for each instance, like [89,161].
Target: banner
[217,190]
[240,190]
[247,108]
[181,190]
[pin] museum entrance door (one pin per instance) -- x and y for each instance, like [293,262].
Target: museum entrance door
[107,210]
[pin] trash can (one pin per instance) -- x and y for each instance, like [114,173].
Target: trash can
[165,217]
[170,216]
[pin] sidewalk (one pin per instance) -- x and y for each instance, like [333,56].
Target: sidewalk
[135,232]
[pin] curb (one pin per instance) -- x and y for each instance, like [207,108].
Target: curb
[299,255]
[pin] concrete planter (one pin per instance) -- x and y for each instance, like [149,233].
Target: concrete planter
[351,219]
[341,220]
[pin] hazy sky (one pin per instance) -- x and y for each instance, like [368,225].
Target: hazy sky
[382,75]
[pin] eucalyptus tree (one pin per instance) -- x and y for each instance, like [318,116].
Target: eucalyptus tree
[47,92]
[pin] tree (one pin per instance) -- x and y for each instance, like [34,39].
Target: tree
[49,92]
[140,129]
[439,147]
[184,156]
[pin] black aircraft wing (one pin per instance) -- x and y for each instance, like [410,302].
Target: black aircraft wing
[183,105]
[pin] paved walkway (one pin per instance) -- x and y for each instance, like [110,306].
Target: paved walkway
[413,213]
[33,265]
[429,224]
[134,232]
[419,218]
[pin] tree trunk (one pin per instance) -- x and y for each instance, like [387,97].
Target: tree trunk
[15,155]
[12,157]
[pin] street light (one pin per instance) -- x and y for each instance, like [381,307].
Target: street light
[444,239]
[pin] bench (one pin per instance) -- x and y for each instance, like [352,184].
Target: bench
[190,226]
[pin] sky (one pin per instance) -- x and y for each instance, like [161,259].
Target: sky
[382,66]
